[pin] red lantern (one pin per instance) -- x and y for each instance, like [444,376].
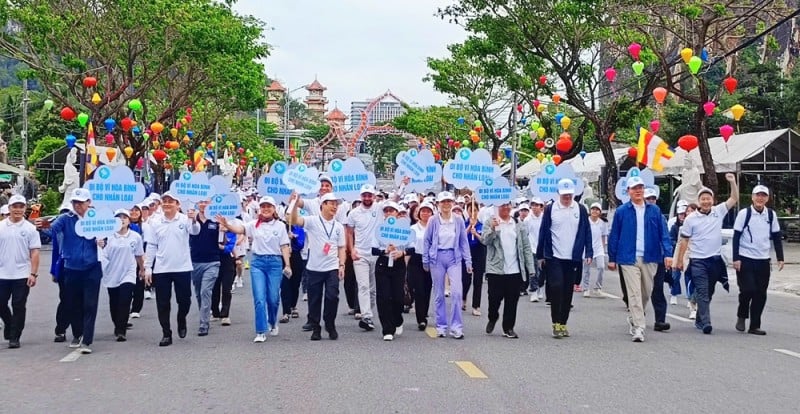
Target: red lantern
[564,145]
[539,145]
[730,84]
[241,150]
[126,124]
[688,142]
[655,125]
[109,138]
[519,108]
[632,152]
[499,133]
[159,155]
[89,82]
[67,114]
[542,80]
[556,159]
[243,162]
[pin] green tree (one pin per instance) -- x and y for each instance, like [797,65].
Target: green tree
[44,147]
[170,54]
[384,150]
[435,125]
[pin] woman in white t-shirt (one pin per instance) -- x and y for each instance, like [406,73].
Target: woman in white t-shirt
[119,256]
[599,237]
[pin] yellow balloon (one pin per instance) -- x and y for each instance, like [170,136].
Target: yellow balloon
[540,157]
[540,108]
[541,132]
[96,98]
[686,54]
[565,122]
[128,152]
[737,111]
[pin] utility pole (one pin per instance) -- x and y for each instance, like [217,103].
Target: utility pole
[24,133]
[512,131]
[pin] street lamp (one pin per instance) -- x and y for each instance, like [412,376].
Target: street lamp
[286,120]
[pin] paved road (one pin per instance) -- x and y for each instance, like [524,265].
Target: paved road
[598,369]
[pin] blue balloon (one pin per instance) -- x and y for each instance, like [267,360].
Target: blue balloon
[71,140]
[704,55]
[508,152]
[558,117]
[190,134]
[461,120]
[136,130]
[583,154]
[210,153]
[523,120]
[110,123]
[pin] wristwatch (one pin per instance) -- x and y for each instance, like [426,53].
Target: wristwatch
[35,275]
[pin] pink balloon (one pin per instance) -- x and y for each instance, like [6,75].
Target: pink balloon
[726,131]
[634,50]
[536,103]
[709,108]
[611,73]
[655,125]
[140,163]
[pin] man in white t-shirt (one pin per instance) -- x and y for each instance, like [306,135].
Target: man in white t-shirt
[361,225]
[19,244]
[325,238]
[533,222]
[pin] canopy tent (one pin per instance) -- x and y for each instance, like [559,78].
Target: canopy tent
[5,168]
[765,151]
[55,160]
[588,168]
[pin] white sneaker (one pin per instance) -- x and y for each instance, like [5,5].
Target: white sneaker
[631,327]
[587,293]
[398,331]
[598,293]
[638,335]
[240,282]
[273,331]
[534,297]
[673,300]
[85,350]
[541,293]
[260,338]
[148,295]
[692,310]
[388,337]
[135,315]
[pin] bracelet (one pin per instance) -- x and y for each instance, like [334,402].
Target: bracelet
[35,275]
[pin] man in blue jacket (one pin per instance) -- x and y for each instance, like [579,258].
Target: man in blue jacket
[565,238]
[638,241]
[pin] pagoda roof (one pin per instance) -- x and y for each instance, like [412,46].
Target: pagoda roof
[336,115]
[315,86]
[276,86]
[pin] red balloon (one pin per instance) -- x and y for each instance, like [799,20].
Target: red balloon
[519,108]
[542,80]
[109,138]
[564,145]
[730,84]
[126,124]
[688,142]
[539,145]
[89,82]
[159,155]
[632,152]
[67,114]
[556,159]
[241,150]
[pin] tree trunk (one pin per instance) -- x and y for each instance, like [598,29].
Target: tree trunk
[604,133]
[710,171]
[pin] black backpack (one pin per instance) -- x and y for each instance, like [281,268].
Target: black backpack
[747,221]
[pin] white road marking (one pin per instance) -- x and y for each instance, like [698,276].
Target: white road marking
[787,352]
[72,356]
[679,318]
[608,295]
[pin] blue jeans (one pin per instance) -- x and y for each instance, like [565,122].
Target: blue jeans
[266,272]
[675,289]
[204,276]
[705,273]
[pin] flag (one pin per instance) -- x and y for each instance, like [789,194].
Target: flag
[651,150]
[91,156]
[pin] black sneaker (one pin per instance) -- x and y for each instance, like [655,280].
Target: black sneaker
[661,326]
[332,334]
[740,324]
[366,324]
[60,338]
[182,332]
[165,341]
[422,325]
[490,326]
[202,332]
[13,343]
[76,343]
[121,338]
[316,335]
[308,327]
[756,331]
[510,334]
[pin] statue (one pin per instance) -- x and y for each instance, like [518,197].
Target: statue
[3,151]
[690,182]
[71,175]
[588,192]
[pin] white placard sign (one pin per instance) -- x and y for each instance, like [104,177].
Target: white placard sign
[396,231]
[430,180]
[226,205]
[271,184]
[97,223]
[348,176]
[470,169]
[191,188]
[302,178]
[495,192]
[621,191]
[545,184]
[415,163]
[222,184]
[115,187]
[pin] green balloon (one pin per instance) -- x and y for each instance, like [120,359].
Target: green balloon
[535,125]
[478,123]
[638,67]
[465,142]
[135,105]
[83,118]
[481,144]
[146,136]
[694,64]
[48,104]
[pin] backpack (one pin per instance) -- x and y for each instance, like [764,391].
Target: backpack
[747,221]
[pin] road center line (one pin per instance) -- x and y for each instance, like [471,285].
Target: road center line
[679,318]
[787,352]
[470,369]
[72,356]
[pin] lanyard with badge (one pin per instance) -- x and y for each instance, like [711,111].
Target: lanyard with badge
[327,247]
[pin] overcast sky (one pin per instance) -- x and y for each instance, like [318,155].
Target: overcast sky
[357,48]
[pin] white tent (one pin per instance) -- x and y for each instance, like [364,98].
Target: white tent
[588,168]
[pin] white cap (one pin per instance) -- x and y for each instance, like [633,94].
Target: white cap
[402,210]
[267,200]
[523,206]
[122,211]
[426,205]
[635,181]
[680,209]
[683,203]
[597,206]
[368,188]
[391,204]
[520,200]
[650,193]
[80,194]
[155,196]
[169,194]
[537,200]
[4,210]
[457,207]
[323,177]
[329,197]
[461,199]
[410,198]
[757,189]
[429,200]
[705,190]
[445,195]
[16,199]
[566,186]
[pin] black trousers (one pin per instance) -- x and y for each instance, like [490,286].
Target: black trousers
[222,287]
[290,287]
[657,297]
[622,286]
[320,283]
[504,288]
[561,278]
[137,302]
[476,278]
[183,296]
[389,293]
[420,284]
[119,303]
[753,281]
[82,294]
[15,290]
[350,285]
[62,315]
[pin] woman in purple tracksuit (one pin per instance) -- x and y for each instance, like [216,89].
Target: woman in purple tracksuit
[445,246]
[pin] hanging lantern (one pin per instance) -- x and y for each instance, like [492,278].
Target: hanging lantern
[67,114]
[96,99]
[109,138]
[126,124]
[111,153]
[737,111]
[128,152]
[157,127]
[556,159]
[659,94]
[688,142]
[655,125]
[159,155]
[89,82]
[709,107]
[726,131]
[730,84]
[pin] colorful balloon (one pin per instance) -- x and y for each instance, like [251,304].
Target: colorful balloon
[70,140]
[634,49]
[540,157]
[565,122]
[686,54]
[582,154]
[730,84]
[128,151]
[48,104]
[564,144]
[556,98]
[542,80]
[737,111]
[659,94]
[159,155]
[111,154]
[637,67]
[632,152]
[89,82]
[173,132]
[157,127]
[461,120]
[709,107]
[541,132]
[539,145]
[726,131]
[694,64]
[135,105]
[655,125]
[556,159]
[126,124]
[109,138]
[83,118]
[67,114]
[611,74]
[688,142]
[96,99]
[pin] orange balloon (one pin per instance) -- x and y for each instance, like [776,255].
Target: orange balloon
[556,159]
[157,127]
[556,98]
[111,153]
[660,94]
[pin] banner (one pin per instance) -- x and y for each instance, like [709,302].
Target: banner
[98,224]
[495,192]
[226,205]
[114,188]
[431,179]
[470,169]
[302,178]
[191,188]
[396,231]
[545,184]
[415,163]
[621,191]
[271,184]
[348,176]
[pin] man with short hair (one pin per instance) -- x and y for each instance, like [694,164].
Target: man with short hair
[533,222]
[205,248]
[19,244]
[361,225]
[755,226]
[701,233]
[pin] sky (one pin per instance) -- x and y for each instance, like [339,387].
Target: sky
[358,49]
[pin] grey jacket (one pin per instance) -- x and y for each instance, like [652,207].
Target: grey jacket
[495,258]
